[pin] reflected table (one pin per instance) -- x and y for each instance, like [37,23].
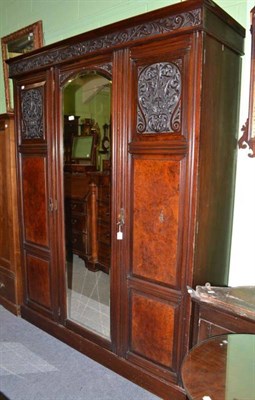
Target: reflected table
[221,368]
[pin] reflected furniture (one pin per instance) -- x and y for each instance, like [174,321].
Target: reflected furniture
[219,310]
[101,184]
[87,216]
[175,76]
[87,196]
[10,269]
[221,368]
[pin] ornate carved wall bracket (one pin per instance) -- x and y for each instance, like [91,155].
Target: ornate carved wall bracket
[248,137]
[245,141]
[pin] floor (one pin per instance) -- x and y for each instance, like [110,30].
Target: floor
[89,297]
[36,366]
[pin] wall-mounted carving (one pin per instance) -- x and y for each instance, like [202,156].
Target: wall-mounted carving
[153,28]
[32,113]
[159,93]
[248,129]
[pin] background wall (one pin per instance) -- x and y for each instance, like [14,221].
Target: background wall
[65,18]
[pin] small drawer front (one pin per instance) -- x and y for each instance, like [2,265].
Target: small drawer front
[78,223]
[7,287]
[77,241]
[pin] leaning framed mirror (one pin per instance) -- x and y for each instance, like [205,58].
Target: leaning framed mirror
[16,44]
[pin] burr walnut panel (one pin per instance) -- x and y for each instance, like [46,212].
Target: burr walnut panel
[34,199]
[156,219]
[38,281]
[152,329]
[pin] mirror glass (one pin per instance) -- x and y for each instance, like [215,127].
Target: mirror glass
[87,191]
[16,44]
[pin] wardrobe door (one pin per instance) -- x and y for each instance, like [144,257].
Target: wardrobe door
[38,206]
[160,205]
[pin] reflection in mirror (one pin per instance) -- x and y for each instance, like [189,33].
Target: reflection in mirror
[87,173]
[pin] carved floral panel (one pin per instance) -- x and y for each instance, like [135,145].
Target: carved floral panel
[32,113]
[159,97]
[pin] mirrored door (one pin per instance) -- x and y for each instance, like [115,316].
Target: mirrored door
[87,199]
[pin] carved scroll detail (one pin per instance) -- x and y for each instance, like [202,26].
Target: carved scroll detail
[247,141]
[153,28]
[159,93]
[32,113]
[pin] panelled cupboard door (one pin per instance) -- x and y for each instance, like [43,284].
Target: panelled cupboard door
[162,86]
[36,189]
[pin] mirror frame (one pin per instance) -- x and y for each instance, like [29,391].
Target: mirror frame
[36,30]
[248,129]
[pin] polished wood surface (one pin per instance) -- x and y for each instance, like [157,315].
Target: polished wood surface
[174,130]
[221,368]
[219,310]
[10,268]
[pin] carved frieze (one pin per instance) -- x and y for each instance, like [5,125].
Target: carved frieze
[32,113]
[159,94]
[153,28]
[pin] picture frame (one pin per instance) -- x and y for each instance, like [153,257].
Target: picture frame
[15,44]
[84,149]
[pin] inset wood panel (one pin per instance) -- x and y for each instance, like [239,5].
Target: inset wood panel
[155,219]
[38,280]
[152,329]
[35,200]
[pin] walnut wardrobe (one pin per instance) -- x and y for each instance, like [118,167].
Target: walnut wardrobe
[138,196]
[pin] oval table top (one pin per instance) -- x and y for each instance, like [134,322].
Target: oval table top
[221,368]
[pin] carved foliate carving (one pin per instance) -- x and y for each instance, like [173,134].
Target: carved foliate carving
[32,113]
[159,94]
[153,28]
